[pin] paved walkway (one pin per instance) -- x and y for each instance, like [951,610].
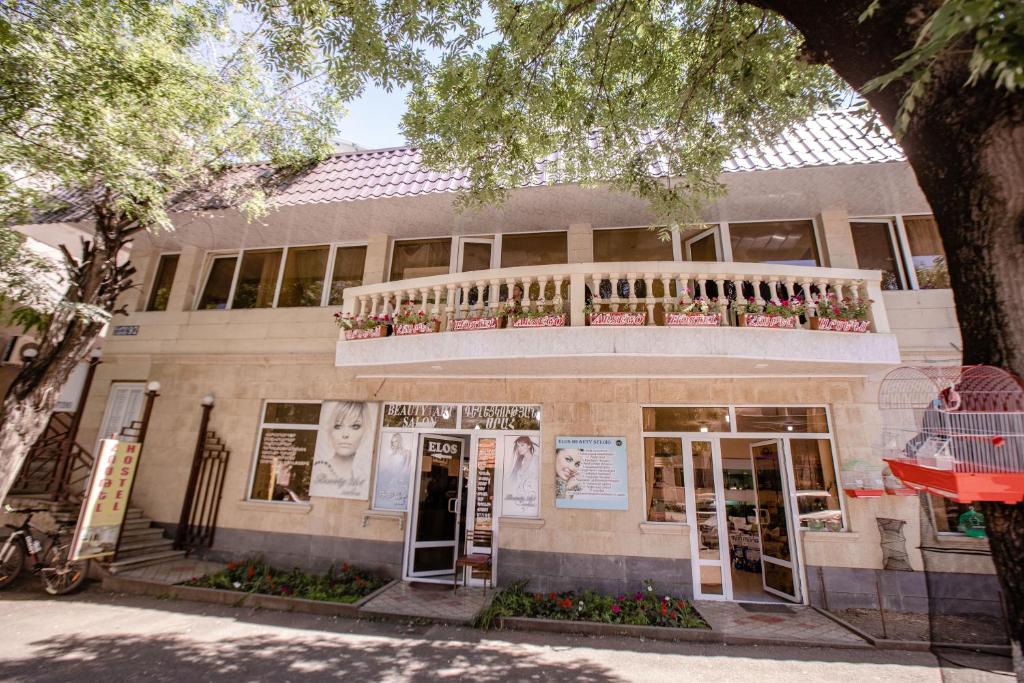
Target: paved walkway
[170,573]
[796,624]
[429,601]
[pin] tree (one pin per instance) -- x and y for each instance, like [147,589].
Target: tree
[117,108]
[518,81]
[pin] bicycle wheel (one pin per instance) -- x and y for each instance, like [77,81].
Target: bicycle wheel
[61,577]
[12,561]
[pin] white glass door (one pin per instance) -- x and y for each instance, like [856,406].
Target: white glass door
[779,564]
[438,503]
[475,253]
[705,510]
[704,246]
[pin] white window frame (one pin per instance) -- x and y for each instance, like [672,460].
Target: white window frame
[895,230]
[498,244]
[725,234]
[677,249]
[253,463]
[156,272]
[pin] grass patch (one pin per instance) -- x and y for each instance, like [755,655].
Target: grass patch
[345,584]
[645,607]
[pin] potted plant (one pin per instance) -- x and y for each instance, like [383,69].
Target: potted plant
[784,315]
[370,327]
[841,315]
[536,318]
[410,321]
[596,318]
[701,312]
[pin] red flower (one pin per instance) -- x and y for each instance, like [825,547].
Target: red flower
[250,572]
[232,566]
[664,609]
[551,596]
[567,603]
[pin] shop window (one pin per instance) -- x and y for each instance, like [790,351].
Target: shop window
[950,517]
[789,243]
[686,419]
[420,258]
[218,283]
[663,468]
[873,243]
[782,419]
[284,455]
[161,291]
[349,264]
[534,249]
[817,490]
[303,281]
[257,279]
[631,244]
[926,250]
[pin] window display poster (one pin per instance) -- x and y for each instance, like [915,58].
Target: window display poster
[520,482]
[590,472]
[483,519]
[344,450]
[394,467]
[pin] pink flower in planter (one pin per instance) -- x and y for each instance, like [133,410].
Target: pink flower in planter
[616,609]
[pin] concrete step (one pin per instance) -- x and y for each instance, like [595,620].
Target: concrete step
[139,534]
[138,523]
[133,513]
[134,546]
[144,560]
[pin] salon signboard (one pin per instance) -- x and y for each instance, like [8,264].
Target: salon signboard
[501,417]
[425,415]
[590,472]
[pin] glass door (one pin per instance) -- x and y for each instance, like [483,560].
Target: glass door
[775,521]
[704,246]
[475,253]
[438,502]
[705,502]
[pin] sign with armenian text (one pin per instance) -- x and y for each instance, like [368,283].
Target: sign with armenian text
[99,525]
[838,325]
[693,319]
[552,320]
[469,324]
[779,322]
[590,472]
[618,319]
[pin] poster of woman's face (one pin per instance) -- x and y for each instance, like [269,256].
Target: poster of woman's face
[520,477]
[394,467]
[344,450]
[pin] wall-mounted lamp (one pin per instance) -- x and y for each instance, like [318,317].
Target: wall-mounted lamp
[28,353]
[208,400]
[96,354]
[153,386]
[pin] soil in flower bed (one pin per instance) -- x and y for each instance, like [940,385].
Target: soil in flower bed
[974,629]
[645,607]
[346,584]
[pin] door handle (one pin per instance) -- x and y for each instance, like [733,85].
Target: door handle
[452,503]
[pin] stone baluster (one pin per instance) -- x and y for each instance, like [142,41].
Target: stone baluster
[649,285]
[773,287]
[822,291]
[666,279]
[595,291]
[492,298]
[805,285]
[424,300]
[542,286]
[756,282]
[527,296]
[837,287]
[723,301]
[478,307]
[362,308]
[631,300]
[464,301]
[613,279]
[436,310]
[449,304]
[558,302]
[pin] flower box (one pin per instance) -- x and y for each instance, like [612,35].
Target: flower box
[372,333]
[617,319]
[779,322]
[469,324]
[839,325]
[552,320]
[693,319]
[416,328]
[864,493]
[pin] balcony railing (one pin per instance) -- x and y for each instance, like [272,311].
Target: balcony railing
[627,286]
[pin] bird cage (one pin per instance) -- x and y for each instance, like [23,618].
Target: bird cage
[955,431]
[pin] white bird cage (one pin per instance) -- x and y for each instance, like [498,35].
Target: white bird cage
[965,421]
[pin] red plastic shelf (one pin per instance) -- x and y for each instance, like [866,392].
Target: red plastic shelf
[863,493]
[963,487]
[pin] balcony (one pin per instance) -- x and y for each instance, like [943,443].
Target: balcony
[650,348]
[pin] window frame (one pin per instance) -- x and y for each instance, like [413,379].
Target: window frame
[499,245]
[725,234]
[253,464]
[156,276]
[676,243]
[896,243]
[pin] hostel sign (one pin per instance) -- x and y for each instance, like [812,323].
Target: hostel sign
[99,525]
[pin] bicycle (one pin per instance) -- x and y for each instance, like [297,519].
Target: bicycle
[59,576]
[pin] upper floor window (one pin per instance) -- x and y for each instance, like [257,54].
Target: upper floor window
[218,282]
[161,290]
[420,258]
[631,244]
[302,283]
[875,245]
[349,263]
[257,279]
[926,252]
[534,249]
[789,243]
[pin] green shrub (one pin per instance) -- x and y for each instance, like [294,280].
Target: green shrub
[255,576]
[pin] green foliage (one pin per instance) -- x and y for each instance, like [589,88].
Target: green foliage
[346,584]
[26,280]
[646,607]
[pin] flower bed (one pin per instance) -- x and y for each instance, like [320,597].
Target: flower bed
[346,585]
[646,607]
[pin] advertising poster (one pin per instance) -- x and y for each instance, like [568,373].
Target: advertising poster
[344,450]
[99,525]
[520,485]
[590,472]
[483,504]
[394,467]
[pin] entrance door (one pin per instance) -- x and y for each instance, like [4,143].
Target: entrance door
[705,504]
[704,246]
[775,524]
[438,498]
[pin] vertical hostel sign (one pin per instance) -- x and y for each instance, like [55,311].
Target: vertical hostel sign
[99,525]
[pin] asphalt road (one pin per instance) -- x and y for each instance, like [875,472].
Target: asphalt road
[97,635]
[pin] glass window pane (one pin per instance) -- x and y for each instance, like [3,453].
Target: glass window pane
[257,279]
[927,252]
[663,465]
[784,242]
[782,419]
[534,249]
[218,283]
[349,264]
[292,413]
[951,517]
[875,251]
[162,283]
[420,258]
[475,256]
[304,273]
[631,244]
[284,462]
[683,419]
[814,478]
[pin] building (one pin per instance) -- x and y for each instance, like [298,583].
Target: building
[711,460]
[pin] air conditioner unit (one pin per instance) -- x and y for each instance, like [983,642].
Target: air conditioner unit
[18,348]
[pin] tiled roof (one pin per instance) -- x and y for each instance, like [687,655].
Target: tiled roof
[827,139]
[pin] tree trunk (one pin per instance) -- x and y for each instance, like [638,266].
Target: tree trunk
[966,147]
[96,282]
